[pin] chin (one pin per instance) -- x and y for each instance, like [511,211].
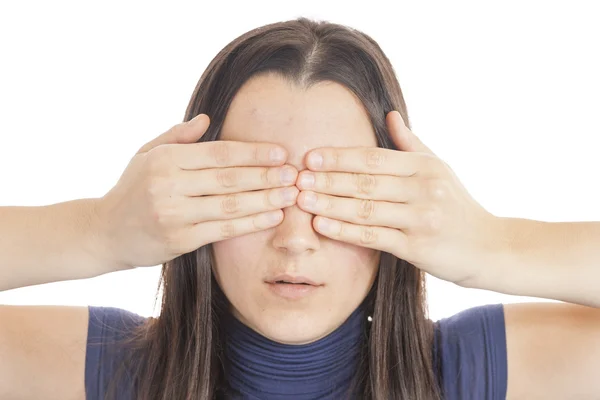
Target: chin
[291,326]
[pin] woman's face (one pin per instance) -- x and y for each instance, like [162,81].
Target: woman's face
[269,109]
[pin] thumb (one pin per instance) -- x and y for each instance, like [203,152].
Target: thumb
[185,132]
[402,136]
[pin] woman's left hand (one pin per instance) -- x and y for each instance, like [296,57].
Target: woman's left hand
[408,203]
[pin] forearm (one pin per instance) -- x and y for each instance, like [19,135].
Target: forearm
[553,260]
[51,243]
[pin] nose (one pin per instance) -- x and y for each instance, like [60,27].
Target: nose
[296,235]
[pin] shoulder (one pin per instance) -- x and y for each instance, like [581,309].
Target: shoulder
[471,356]
[108,331]
[111,322]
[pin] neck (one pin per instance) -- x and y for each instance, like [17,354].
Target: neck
[257,367]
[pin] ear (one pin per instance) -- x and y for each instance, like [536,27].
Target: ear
[403,137]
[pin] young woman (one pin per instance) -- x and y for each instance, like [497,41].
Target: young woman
[294,237]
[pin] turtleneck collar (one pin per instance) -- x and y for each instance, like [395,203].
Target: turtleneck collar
[259,368]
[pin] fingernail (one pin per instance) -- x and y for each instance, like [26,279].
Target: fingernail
[307,180]
[289,194]
[277,154]
[310,199]
[287,176]
[274,217]
[401,119]
[196,119]
[315,160]
[328,225]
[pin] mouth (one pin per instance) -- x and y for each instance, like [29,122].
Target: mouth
[292,288]
[292,280]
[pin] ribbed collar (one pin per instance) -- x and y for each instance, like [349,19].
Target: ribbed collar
[259,368]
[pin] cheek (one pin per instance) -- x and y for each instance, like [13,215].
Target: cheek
[367,257]
[363,272]
[366,268]
[235,258]
[363,260]
[352,275]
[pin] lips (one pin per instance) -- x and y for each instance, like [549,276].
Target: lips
[293,288]
[285,278]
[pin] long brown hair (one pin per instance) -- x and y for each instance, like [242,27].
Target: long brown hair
[178,355]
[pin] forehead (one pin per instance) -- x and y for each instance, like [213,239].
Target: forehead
[268,108]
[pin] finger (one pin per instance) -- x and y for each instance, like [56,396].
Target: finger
[372,160]
[358,211]
[363,186]
[236,205]
[222,154]
[375,237]
[214,231]
[402,136]
[185,132]
[232,180]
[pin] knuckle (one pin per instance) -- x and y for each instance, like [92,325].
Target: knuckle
[154,188]
[365,183]
[256,155]
[268,203]
[179,128]
[257,224]
[329,181]
[227,229]
[366,209]
[227,177]
[220,152]
[374,158]
[159,156]
[432,163]
[328,200]
[157,188]
[431,219]
[437,189]
[342,233]
[264,177]
[368,235]
[230,204]
[335,159]
[157,217]
[164,215]
[172,243]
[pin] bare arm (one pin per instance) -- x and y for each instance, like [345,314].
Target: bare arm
[51,243]
[553,260]
[42,352]
[173,197]
[553,351]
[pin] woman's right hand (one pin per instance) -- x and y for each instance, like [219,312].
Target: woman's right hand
[177,195]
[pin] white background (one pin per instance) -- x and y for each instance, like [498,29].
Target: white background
[506,92]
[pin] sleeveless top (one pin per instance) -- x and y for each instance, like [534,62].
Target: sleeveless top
[469,347]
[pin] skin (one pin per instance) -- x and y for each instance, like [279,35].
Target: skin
[270,109]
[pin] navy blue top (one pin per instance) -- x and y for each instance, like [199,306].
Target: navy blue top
[471,346]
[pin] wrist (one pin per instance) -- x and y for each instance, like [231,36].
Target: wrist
[501,256]
[99,239]
[520,263]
